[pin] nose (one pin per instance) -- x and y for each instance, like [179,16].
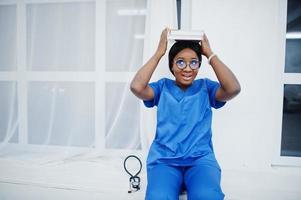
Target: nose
[187,68]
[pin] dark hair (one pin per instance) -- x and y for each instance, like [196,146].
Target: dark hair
[179,46]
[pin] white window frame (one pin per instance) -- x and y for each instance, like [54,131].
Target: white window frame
[287,78]
[99,76]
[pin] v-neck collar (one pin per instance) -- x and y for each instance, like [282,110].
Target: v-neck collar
[178,93]
[187,90]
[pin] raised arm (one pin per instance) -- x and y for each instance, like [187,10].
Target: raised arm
[230,86]
[139,85]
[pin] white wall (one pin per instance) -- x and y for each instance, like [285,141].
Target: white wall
[249,37]
[245,35]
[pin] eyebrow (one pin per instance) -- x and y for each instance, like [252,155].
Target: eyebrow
[184,58]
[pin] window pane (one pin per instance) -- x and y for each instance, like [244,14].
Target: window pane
[8,58]
[8,112]
[291,122]
[61,113]
[125,22]
[293,16]
[122,117]
[61,36]
[293,56]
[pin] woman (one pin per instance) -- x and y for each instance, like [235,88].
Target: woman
[181,154]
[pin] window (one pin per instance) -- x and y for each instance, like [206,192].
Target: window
[8,65]
[125,24]
[8,25]
[291,118]
[65,67]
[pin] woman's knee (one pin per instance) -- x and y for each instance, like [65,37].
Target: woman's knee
[163,183]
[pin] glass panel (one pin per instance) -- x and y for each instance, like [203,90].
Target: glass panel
[61,113]
[125,24]
[9,112]
[122,117]
[8,58]
[291,122]
[293,56]
[293,16]
[61,36]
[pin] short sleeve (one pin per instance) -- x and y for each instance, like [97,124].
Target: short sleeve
[212,87]
[157,88]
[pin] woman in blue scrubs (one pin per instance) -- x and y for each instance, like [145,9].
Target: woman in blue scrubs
[181,154]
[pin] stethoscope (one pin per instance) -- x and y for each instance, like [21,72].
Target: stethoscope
[134,181]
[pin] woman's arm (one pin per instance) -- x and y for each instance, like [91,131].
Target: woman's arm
[230,86]
[139,85]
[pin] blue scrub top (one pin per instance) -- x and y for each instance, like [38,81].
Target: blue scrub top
[183,132]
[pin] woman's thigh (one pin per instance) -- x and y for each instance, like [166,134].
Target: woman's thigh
[203,183]
[163,182]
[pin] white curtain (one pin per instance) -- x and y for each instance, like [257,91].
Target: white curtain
[65,68]
[161,14]
[67,116]
[8,89]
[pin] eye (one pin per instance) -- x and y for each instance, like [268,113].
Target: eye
[194,63]
[180,63]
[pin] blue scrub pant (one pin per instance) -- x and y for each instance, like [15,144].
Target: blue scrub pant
[165,182]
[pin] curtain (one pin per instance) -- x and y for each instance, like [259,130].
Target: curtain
[65,69]
[67,116]
[161,14]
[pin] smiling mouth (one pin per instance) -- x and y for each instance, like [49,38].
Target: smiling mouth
[187,77]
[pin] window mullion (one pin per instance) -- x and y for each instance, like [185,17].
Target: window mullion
[22,72]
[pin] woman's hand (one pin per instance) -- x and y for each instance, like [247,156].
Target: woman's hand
[205,46]
[162,43]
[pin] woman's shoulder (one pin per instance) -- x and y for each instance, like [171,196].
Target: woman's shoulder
[203,79]
[161,84]
[165,82]
[199,82]
[205,82]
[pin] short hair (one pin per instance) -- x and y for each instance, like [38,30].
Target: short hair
[179,46]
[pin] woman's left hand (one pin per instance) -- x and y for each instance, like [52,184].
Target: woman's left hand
[205,46]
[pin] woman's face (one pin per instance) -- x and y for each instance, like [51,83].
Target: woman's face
[185,77]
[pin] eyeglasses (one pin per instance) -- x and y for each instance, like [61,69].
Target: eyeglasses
[193,64]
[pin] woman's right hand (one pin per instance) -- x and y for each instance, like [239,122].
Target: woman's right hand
[162,43]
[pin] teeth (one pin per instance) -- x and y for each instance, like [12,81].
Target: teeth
[187,78]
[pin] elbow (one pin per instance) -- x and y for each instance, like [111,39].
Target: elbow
[232,92]
[229,93]
[133,88]
[136,89]
[236,90]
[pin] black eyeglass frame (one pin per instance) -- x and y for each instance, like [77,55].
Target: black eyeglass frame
[193,67]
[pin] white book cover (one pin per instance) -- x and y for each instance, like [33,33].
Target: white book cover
[186,35]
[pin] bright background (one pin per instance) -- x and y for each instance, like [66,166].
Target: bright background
[68,118]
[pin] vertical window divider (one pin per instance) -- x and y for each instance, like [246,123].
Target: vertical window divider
[22,73]
[100,62]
